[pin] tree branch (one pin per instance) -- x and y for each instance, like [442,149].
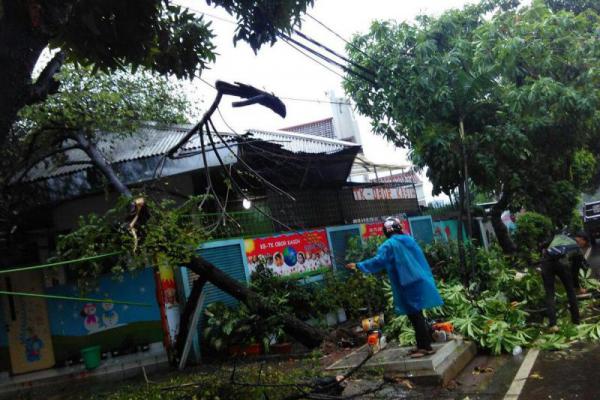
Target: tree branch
[100,162]
[45,84]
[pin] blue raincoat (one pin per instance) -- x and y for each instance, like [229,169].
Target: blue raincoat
[412,282]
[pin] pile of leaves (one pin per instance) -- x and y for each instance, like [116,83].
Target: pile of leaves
[502,306]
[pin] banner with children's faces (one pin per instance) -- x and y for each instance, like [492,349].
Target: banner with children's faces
[295,254]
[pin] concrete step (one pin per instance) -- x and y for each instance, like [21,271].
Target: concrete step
[449,359]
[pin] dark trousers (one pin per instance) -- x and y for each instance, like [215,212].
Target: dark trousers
[578,262]
[550,270]
[421,332]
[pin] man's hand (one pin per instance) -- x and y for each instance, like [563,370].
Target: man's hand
[351,266]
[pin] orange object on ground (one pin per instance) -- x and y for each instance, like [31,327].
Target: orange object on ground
[444,326]
[373,339]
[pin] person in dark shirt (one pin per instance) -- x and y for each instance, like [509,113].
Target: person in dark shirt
[557,263]
[580,260]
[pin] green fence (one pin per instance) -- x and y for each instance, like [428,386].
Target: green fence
[238,223]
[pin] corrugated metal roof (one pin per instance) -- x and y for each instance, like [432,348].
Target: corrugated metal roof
[301,142]
[152,141]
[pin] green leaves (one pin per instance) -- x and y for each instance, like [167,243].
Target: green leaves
[525,82]
[498,310]
[115,103]
[169,232]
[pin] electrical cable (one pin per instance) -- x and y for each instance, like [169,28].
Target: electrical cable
[326,58]
[317,43]
[346,103]
[312,58]
[340,37]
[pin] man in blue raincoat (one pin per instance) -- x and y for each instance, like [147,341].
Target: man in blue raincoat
[412,282]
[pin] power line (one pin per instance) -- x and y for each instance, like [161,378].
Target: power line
[327,59]
[342,38]
[312,58]
[328,28]
[195,10]
[287,39]
[346,103]
[321,45]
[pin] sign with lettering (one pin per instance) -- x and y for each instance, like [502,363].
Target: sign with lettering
[298,254]
[384,193]
[376,229]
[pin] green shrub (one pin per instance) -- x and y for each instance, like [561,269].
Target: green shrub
[299,298]
[496,309]
[533,229]
[227,326]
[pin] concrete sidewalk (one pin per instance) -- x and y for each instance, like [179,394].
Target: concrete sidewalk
[57,379]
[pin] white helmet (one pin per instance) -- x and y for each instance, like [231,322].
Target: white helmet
[392,225]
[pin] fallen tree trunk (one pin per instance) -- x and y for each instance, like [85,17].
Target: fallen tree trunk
[185,321]
[308,335]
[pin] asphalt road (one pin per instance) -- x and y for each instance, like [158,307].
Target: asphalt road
[573,374]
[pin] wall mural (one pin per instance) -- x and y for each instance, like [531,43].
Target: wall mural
[446,231]
[115,327]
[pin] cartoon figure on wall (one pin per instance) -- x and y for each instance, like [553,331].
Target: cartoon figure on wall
[110,318]
[33,346]
[437,233]
[90,321]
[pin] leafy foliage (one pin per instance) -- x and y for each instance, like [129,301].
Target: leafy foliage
[228,326]
[532,231]
[213,384]
[523,83]
[116,102]
[98,107]
[165,37]
[168,232]
[299,299]
[499,309]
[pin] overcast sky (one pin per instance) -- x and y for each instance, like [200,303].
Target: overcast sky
[287,73]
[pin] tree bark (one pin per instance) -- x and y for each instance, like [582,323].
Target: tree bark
[467,191]
[100,162]
[308,335]
[186,317]
[26,27]
[461,245]
[504,239]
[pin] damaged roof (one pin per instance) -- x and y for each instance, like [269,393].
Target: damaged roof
[152,141]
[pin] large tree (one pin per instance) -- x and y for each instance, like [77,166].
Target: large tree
[92,107]
[514,96]
[117,34]
[87,108]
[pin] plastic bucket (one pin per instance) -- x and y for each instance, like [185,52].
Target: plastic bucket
[91,357]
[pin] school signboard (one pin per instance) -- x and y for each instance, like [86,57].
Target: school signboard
[295,254]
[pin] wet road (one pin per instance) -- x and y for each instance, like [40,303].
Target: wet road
[573,374]
[567,375]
